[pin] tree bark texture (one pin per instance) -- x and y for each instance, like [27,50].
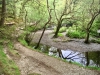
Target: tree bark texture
[3,13]
[57,30]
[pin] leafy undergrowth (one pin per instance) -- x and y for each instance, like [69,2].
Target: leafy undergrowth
[7,66]
[21,39]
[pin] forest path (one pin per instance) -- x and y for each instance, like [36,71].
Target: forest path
[30,61]
[63,42]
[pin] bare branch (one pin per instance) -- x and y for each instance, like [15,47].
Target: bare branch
[55,10]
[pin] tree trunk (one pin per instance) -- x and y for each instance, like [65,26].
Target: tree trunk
[60,53]
[89,25]
[3,12]
[40,38]
[87,37]
[57,30]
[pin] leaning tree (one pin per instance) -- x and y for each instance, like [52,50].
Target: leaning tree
[44,28]
[93,11]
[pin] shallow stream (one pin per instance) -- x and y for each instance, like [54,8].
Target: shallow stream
[85,58]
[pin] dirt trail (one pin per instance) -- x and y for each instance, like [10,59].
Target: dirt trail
[35,62]
[63,42]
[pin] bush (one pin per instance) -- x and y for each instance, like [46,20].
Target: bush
[62,29]
[60,35]
[75,34]
[31,28]
[6,32]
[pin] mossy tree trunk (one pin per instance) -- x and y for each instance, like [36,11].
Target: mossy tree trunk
[41,37]
[57,30]
[3,12]
[89,26]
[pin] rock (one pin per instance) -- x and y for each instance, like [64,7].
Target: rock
[53,49]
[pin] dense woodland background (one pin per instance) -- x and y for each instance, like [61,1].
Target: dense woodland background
[83,16]
[78,18]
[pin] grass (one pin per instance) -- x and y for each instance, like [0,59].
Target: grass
[7,67]
[21,39]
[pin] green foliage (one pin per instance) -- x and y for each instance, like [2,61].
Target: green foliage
[21,39]
[95,27]
[93,68]
[75,34]
[62,29]
[60,34]
[10,45]
[7,67]
[6,32]
[30,28]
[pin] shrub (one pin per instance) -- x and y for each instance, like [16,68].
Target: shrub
[75,34]
[60,34]
[62,29]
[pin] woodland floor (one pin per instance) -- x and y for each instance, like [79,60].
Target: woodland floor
[30,61]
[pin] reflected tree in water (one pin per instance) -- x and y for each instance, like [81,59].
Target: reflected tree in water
[87,58]
[95,56]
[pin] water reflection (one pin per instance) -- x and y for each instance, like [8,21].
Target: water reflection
[95,57]
[86,58]
[74,56]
